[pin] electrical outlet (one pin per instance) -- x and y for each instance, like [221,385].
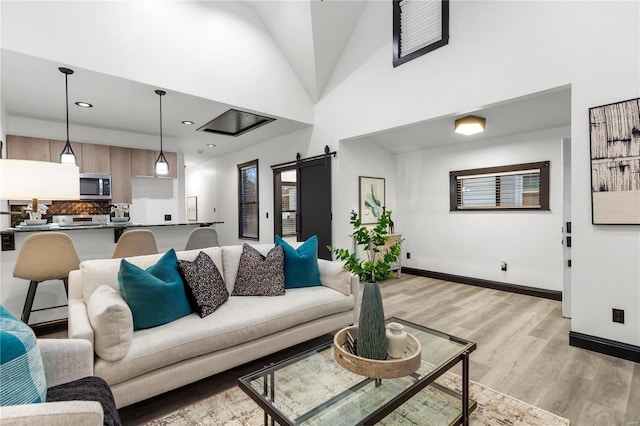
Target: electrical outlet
[503,266]
[618,315]
[408,255]
[167,217]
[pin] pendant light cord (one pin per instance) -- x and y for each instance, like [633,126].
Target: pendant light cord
[161,123]
[66,89]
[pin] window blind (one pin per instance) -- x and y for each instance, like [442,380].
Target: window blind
[499,190]
[248,200]
[420,24]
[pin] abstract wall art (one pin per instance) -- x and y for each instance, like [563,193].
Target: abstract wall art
[615,163]
[371,199]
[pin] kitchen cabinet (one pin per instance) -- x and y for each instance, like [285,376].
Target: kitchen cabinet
[96,158]
[121,177]
[56,148]
[143,161]
[27,148]
[172,159]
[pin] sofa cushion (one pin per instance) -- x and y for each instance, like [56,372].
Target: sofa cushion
[301,264]
[239,320]
[99,272]
[333,275]
[22,378]
[260,275]
[204,283]
[112,323]
[155,295]
[231,261]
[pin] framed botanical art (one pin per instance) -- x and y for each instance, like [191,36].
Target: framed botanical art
[192,208]
[615,163]
[372,199]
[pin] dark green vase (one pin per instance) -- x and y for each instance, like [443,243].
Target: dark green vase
[372,338]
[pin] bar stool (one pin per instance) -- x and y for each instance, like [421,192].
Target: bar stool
[202,238]
[136,242]
[45,256]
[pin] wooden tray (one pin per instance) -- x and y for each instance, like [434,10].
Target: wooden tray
[375,369]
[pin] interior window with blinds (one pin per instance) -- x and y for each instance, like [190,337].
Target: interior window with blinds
[519,186]
[419,26]
[248,200]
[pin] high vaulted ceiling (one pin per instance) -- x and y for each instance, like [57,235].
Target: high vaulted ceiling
[314,37]
[310,34]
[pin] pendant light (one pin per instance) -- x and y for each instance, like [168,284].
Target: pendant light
[161,166]
[67,156]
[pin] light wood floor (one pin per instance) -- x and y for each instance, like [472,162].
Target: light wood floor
[522,350]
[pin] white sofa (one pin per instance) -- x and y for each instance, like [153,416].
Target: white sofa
[191,348]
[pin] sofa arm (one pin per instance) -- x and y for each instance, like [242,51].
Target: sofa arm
[65,360]
[86,413]
[79,324]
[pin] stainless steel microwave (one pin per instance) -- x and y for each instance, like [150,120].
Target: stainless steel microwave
[95,186]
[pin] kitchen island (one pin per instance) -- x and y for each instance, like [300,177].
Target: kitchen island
[91,242]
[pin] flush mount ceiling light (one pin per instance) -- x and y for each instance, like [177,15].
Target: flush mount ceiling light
[210,145]
[67,156]
[470,125]
[84,104]
[187,122]
[161,165]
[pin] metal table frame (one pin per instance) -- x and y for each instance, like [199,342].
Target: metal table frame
[272,414]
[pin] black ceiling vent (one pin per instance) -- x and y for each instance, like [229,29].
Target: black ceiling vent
[235,123]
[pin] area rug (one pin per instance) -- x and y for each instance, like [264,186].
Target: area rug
[234,408]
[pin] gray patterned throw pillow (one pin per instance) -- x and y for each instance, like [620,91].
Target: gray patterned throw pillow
[204,283]
[259,275]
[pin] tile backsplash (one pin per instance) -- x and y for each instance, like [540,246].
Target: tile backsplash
[59,208]
[79,207]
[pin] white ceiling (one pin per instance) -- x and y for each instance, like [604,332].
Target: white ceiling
[34,88]
[538,111]
[312,40]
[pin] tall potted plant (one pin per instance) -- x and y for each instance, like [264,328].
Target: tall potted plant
[372,342]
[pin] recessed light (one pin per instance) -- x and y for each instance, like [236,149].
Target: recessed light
[84,104]
[187,122]
[210,145]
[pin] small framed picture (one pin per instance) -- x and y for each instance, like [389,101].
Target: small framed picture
[372,200]
[192,208]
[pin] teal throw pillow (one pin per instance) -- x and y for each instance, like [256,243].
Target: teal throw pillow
[301,264]
[22,379]
[156,295]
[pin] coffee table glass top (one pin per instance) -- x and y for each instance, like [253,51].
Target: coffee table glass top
[313,389]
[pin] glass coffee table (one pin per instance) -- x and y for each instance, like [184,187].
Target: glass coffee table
[311,388]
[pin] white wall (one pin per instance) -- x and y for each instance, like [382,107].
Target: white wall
[215,50]
[473,243]
[495,54]
[362,158]
[153,198]
[200,182]
[4,118]
[223,173]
